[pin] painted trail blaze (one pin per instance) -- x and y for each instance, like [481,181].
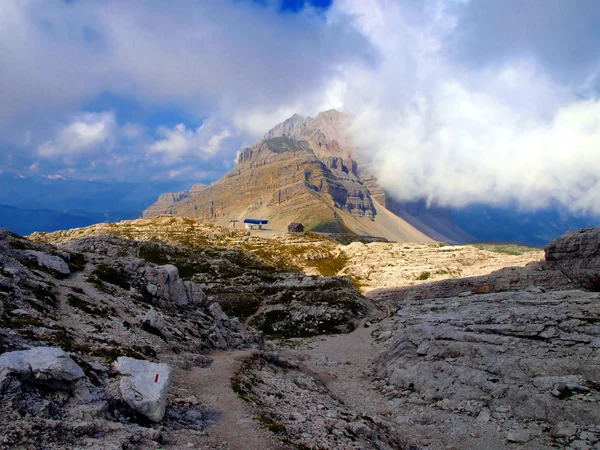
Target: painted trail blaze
[156,378]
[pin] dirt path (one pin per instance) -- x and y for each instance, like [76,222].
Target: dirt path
[234,428]
[345,361]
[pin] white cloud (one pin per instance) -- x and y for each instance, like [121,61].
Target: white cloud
[209,57]
[432,127]
[88,132]
[215,141]
[180,142]
[444,110]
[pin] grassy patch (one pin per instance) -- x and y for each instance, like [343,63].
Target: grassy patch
[424,276]
[507,249]
[241,307]
[45,296]
[154,254]
[271,425]
[331,265]
[110,275]
[279,324]
[76,262]
[110,354]
[84,306]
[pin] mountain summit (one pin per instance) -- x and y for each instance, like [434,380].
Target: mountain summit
[303,170]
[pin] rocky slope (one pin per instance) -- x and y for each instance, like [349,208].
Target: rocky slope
[370,265]
[302,171]
[105,298]
[507,359]
[148,333]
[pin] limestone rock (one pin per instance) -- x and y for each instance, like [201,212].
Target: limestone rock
[577,255]
[170,289]
[144,385]
[519,436]
[218,314]
[47,365]
[55,263]
[154,319]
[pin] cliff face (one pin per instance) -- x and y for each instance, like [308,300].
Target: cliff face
[302,171]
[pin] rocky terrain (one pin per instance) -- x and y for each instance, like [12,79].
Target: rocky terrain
[506,360]
[169,333]
[369,263]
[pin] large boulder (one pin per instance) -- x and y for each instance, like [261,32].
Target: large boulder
[144,385]
[54,263]
[577,255]
[165,284]
[49,366]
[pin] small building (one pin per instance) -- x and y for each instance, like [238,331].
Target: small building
[251,223]
[295,227]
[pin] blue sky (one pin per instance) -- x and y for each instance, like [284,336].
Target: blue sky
[456,101]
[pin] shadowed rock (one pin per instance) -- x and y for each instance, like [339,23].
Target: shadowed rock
[577,255]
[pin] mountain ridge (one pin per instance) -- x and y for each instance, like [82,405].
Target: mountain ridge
[301,171]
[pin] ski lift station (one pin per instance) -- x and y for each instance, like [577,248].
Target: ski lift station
[251,223]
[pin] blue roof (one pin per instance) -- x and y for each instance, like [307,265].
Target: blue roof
[256,221]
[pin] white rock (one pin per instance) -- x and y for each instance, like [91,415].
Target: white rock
[518,436]
[217,313]
[580,445]
[144,386]
[55,263]
[587,436]
[49,365]
[165,283]
[565,429]
[547,383]
[483,417]
[152,288]
[154,319]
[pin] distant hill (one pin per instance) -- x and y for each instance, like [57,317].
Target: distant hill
[60,194]
[27,221]
[509,224]
[37,203]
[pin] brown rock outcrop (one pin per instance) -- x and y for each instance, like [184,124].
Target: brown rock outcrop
[577,255]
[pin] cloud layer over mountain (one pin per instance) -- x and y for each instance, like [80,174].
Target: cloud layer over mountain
[458,101]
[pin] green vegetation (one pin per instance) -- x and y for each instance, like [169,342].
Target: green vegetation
[278,324]
[84,306]
[154,254]
[242,307]
[110,354]
[76,262]
[45,296]
[110,275]
[282,144]
[507,249]
[424,276]
[330,265]
[271,425]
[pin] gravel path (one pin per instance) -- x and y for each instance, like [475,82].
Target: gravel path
[234,427]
